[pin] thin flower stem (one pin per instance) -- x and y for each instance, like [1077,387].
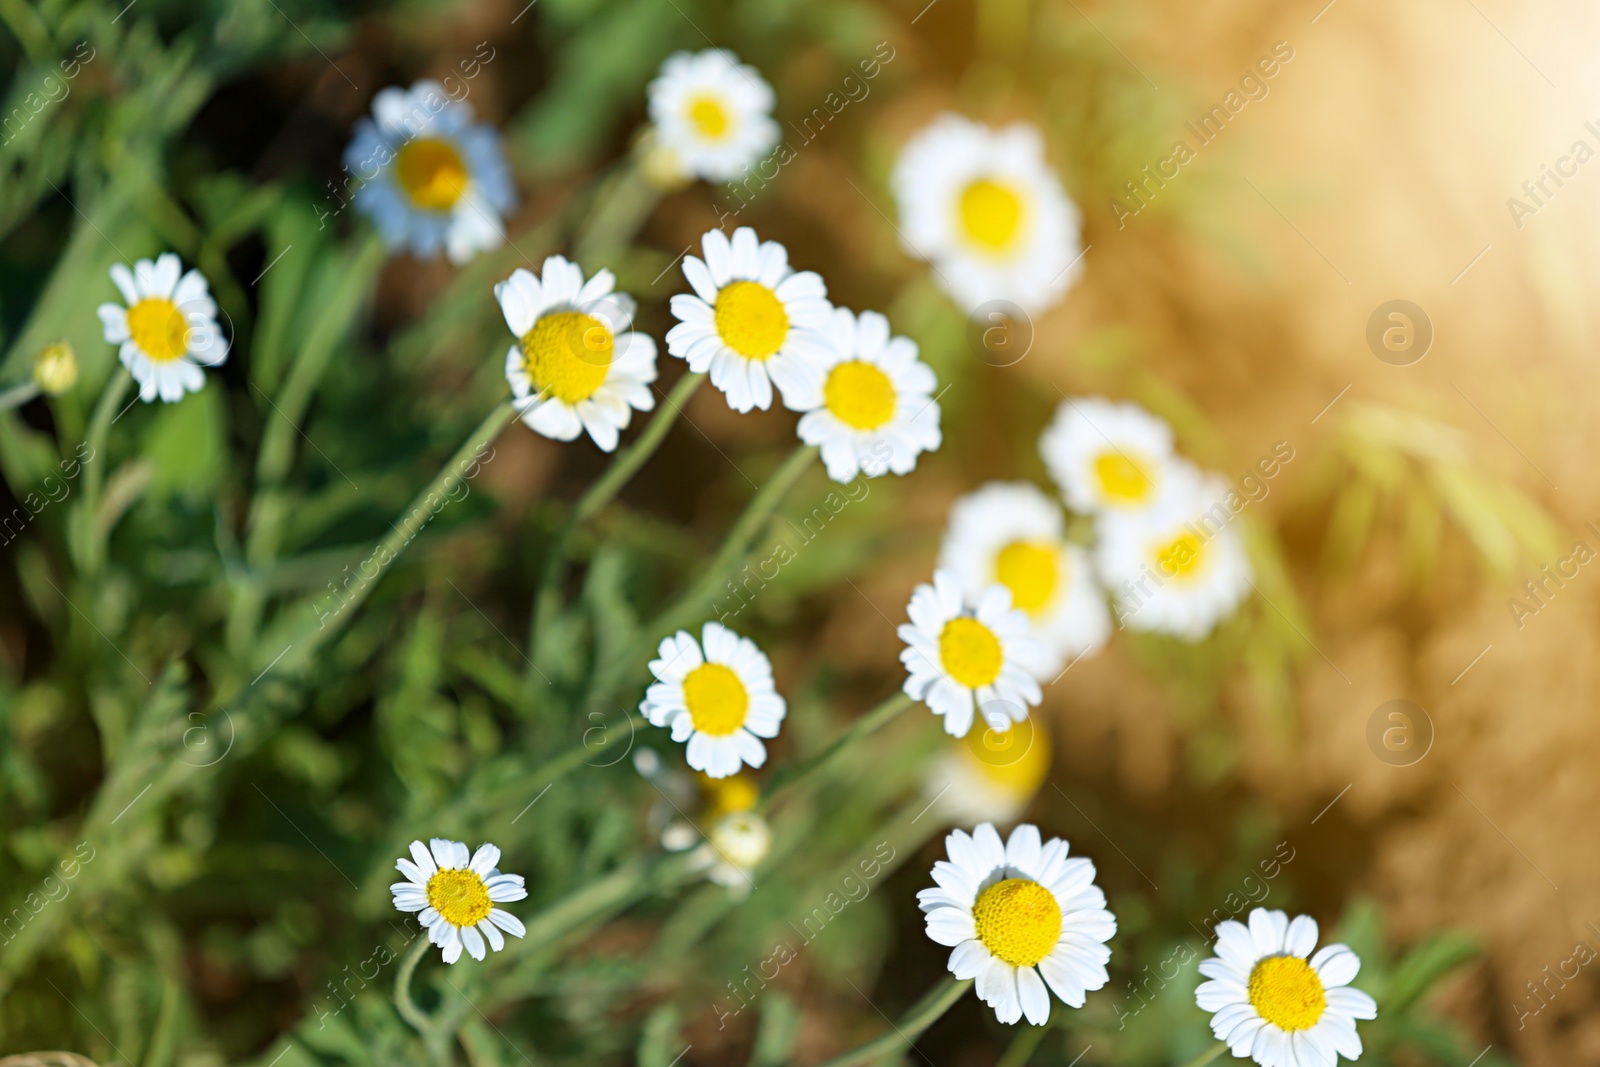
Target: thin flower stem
[621,209]
[865,726]
[696,603]
[18,395]
[1026,1043]
[622,469]
[90,538]
[419,1020]
[1206,1057]
[923,1014]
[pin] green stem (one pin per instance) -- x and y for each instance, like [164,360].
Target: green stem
[865,726]
[620,210]
[91,539]
[1025,1044]
[419,1020]
[18,395]
[921,1015]
[1206,1057]
[622,469]
[422,509]
[695,603]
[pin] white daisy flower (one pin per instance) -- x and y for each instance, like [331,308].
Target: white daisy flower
[167,331]
[989,775]
[965,659]
[712,114]
[1013,534]
[432,179]
[1020,916]
[1107,456]
[1275,1006]
[456,896]
[985,208]
[1179,568]
[871,409]
[575,365]
[721,701]
[751,321]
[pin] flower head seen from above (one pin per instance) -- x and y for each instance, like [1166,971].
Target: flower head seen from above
[716,694]
[1020,916]
[456,895]
[871,408]
[576,366]
[168,329]
[965,660]
[986,210]
[432,179]
[990,775]
[1107,456]
[752,322]
[712,114]
[1014,534]
[1277,1003]
[1179,568]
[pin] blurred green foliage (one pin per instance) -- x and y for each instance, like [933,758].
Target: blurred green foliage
[231,776]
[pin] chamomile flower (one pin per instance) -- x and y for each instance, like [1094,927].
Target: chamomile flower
[456,896]
[989,775]
[576,366]
[167,331]
[1276,1006]
[1179,568]
[963,660]
[1107,456]
[984,207]
[712,114]
[432,179]
[717,695]
[751,320]
[1021,916]
[1013,534]
[871,410]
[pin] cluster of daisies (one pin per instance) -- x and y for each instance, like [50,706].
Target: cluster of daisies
[1012,601]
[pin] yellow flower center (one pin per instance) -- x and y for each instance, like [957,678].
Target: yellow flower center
[460,896]
[709,117]
[157,327]
[1123,479]
[859,395]
[1031,570]
[431,172]
[1287,992]
[1018,920]
[751,319]
[1017,760]
[716,699]
[1180,557]
[728,796]
[970,652]
[567,355]
[991,214]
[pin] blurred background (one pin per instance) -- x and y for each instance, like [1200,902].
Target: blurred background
[1397,155]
